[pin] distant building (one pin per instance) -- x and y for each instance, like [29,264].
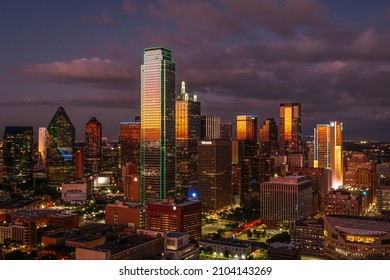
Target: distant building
[283,251]
[237,249]
[93,147]
[42,148]
[268,137]
[210,127]
[341,202]
[125,213]
[290,128]
[356,238]
[286,198]
[76,192]
[130,140]
[176,215]
[383,200]
[60,139]
[214,174]
[308,235]
[226,131]
[247,128]
[18,154]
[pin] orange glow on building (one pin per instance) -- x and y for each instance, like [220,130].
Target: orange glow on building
[247,128]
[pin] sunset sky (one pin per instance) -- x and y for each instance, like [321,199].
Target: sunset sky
[239,57]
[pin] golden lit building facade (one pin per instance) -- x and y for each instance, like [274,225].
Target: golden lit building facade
[157,155]
[268,137]
[42,148]
[290,128]
[188,123]
[328,150]
[247,128]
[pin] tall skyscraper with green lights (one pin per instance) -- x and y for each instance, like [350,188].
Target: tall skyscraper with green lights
[157,162]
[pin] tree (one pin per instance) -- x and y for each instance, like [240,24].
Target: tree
[226,254]
[249,233]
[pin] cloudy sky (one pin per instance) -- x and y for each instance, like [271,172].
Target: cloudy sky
[244,56]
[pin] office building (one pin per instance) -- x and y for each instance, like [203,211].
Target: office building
[133,215]
[290,128]
[188,124]
[78,164]
[214,174]
[328,150]
[210,128]
[268,137]
[60,139]
[226,131]
[308,235]
[18,154]
[76,192]
[157,165]
[356,238]
[131,183]
[383,200]
[176,215]
[130,140]
[93,147]
[341,202]
[42,148]
[286,198]
[247,128]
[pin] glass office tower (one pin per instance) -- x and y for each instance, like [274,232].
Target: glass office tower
[157,162]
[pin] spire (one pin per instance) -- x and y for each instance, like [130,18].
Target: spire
[183,87]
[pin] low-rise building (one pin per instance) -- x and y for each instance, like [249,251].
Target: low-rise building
[126,213]
[356,238]
[341,202]
[283,251]
[26,233]
[238,249]
[76,192]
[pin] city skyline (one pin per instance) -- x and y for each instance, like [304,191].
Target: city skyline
[238,60]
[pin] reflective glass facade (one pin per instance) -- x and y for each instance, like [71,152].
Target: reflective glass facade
[247,128]
[129,138]
[93,147]
[268,137]
[157,160]
[60,137]
[290,128]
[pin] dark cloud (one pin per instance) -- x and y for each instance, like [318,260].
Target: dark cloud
[104,18]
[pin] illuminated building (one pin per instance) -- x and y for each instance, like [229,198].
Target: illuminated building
[210,128]
[308,234]
[360,172]
[176,215]
[226,131]
[93,147]
[25,233]
[247,128]
[157,165]
[188,123]
[286,198]
[341,202]
[215,174]
[60,138]
[18,154]
[382,174]
[383,200]
[238,249]
[328,150]
[290,128]
[131,183]
[76,192]
[250,171]
[110,159]
[268,137]
[127,214]
[356,238]
[78,164]
[42,148]
[129,139]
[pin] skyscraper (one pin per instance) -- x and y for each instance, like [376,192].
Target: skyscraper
[290,128]
[187,136]
[210,127]
[247,128]
[268,137]
[215,188]
[60,139]
[42,148]
[18,153]
[93,147]
[226,131]
[157,166]
[328,150]
[129,138]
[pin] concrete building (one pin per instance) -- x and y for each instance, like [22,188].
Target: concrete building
[76,192]
[176,215]
[238,249]
[125,213]
[133,247]
[64,220]
[383,200]
[308,235]
[26,233]
[283,251]
[286,198]
[341,202]
[356,238]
